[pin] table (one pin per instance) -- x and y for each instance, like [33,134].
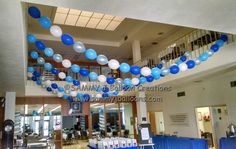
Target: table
[227,143]
[142,146]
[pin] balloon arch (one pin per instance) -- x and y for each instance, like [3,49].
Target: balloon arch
[141,75]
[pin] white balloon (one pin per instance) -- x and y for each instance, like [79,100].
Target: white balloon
[56,31]
[183,67]
[29,74]
[135,81]
[59,94]
[48,83]
[66,63]
[113,64]
[99,96]
[62,75]
[146,71]
[73,93]
[102,78]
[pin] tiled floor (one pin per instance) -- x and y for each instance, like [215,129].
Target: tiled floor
[80,145]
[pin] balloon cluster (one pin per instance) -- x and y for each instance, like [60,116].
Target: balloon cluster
[146,74]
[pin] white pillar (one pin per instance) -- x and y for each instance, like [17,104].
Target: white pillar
[136,51]
[10,102]
[141,108]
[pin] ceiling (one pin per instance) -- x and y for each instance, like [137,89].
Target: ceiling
[111,43]
[209,15]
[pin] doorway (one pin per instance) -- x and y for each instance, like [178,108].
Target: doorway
[157,122]
[212,124]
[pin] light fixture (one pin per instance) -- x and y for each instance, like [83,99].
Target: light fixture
[40,109]
[26,109]
[55,108]
[87,19]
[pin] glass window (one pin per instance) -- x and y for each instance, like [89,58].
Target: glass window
[112,119]
[127,120]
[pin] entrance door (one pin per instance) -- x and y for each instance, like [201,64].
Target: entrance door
[157,122]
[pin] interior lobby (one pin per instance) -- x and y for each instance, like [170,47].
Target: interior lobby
[117,74]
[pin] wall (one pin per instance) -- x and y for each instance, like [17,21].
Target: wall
[215,91]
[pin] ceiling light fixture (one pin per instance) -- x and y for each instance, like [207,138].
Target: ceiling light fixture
[55,108]
[87,19]
[26,109]
[40,109]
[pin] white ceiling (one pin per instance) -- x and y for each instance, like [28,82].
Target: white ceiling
[211,15]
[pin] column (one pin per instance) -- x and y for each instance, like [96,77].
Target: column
[141,108]
[136,51]
[10,102]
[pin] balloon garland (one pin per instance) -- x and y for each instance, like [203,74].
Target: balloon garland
[147,74]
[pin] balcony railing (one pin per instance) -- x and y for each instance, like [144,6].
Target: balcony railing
[196,42]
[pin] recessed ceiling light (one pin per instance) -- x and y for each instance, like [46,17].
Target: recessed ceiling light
[86,19]
[154,43]
[160,33]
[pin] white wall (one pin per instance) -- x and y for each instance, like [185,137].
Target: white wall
[212,92]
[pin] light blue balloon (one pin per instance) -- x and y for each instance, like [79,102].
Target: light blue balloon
[40,60]
[79,47]
[48,52]
[75,68]
[93,76]
[110,94]
[57,58]
[69,79]
[30,69]
[45,22]
[99,89]
[165,71]
[31,38]
[156,71]
[48,66]
[90,54]
[178,62]
[220,42]
[34,55]
[157,77]
[102,60]
[60,89]
[127,81]
[119,80]
[142,80]
[203,57]
[124,67]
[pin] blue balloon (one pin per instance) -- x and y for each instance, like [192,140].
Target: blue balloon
[36,74]
[135,70]
[34,12]
[65,96]
[220,42]
[105,89]
[70,99]
[174,69]
[127,82]
[183,58]
[99,89]
[30,69]
[33,78]
[178,62]
[105,95]
[124,67]
[86,97]
[224,38]
[31,38]
[54,86]
[157,77]
[48,66]
[38,82]
[34,55]
[110,94]
[115,93]
[203,56]
[93,76]
[49,89]
[156,71]
[80,96]
[142,80]
[150,78]
[40,45]
[91,54]
[48,52]
[60,89]
[76,82]
[110,80]
[215,47]
[75,68]
[191,64]
[160,65]
[67,39]
[45,22]
[84,72]
[55,71]
[69,79]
